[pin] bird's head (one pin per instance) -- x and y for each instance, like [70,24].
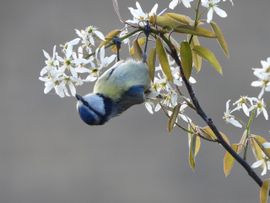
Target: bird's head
[94,109]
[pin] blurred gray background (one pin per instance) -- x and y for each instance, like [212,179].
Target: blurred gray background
[48,155]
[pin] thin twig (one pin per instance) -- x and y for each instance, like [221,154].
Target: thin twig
[184,129]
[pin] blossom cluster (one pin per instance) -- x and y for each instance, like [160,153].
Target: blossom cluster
[247,105]
[263,75]
[251,106]
[164,93]
[212,6]
[76,65]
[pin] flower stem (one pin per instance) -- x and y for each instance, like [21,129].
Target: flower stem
[196,18]
[251,118]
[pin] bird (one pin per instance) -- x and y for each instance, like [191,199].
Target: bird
[123,85]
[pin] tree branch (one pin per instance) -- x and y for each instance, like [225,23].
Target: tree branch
[207,119]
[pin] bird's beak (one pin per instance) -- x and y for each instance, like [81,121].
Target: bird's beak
[79,98]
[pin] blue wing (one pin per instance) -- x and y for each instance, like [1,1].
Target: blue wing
[133,96]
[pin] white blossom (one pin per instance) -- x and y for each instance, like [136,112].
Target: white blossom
[68,46]
[263,75]
[169,99]
[71,82]
[102,62]
[63,74]
[264,163]
[244,103]
[212,6]
[264,84]
[80,62]
[260,108]
[51,62]
[54,80]
[229,118]
[162,93]
[88,36]
[264,71]
[139,16]
[67,63]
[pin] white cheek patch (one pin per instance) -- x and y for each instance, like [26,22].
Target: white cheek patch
[97,103]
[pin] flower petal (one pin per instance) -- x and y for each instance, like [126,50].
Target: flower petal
[173,4]
[149,108]
[99,35]
[220,12]
[256,83]
[265,114]
[210,15]
[245,110]
[257,163]
[154,10]
[266,145]
[186,3]
[48,88]
[46,54]
[235,123]
[72,89]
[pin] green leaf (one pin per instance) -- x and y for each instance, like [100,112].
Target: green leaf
[186,58]
[228,160]
[151,63]
[208,133]
[173,117]
[209,56]
[136,51]
[264,192]
[163,59]
[260,140]
[197,60]
[140,42]
[192,148]
[164,22]
[180,18]
[198,145]
[211,135]
[256,149]
[193,128]
[199,31]
[243,142]
[220,38]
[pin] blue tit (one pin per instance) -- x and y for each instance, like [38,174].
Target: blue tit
[117,89]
